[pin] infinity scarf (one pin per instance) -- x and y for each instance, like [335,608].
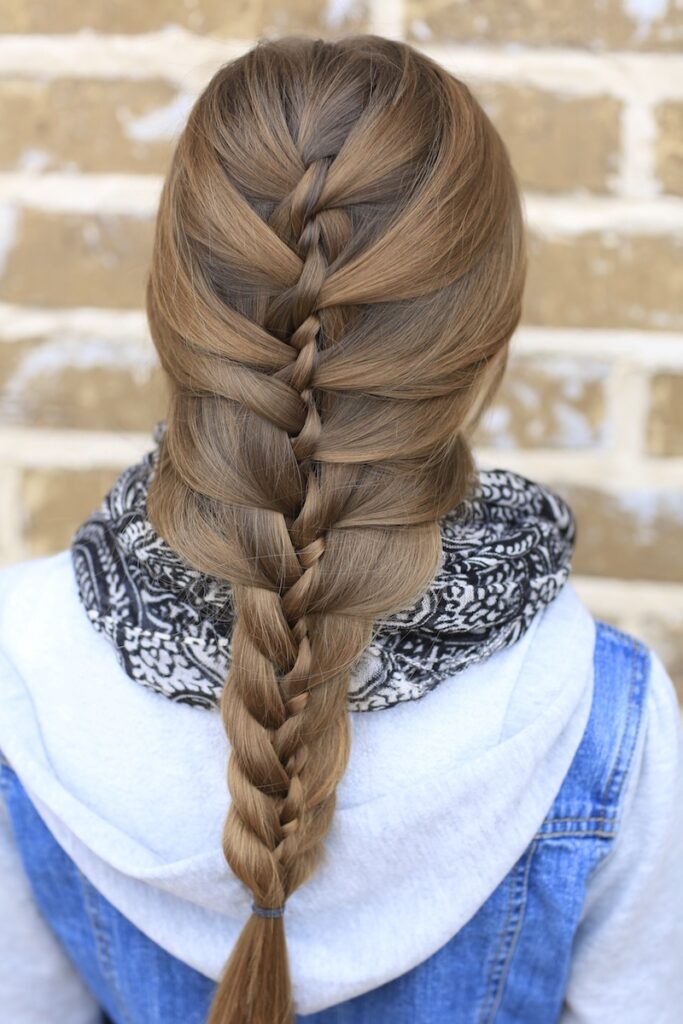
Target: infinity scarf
[507,551]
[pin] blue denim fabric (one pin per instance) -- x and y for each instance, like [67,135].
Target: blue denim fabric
[510,963]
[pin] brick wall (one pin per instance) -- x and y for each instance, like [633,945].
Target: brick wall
[589,98]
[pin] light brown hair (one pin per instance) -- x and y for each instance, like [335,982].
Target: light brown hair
[338,265]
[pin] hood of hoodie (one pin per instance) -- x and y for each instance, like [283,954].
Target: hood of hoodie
[440,798]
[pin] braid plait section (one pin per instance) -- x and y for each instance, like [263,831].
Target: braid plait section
[270,752]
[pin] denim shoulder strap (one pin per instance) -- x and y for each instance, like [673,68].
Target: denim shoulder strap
[591,796]
[548,885]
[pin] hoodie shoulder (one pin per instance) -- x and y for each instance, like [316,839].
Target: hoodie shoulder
[19,580]
[37,600]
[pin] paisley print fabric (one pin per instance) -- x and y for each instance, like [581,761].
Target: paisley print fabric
[506,554]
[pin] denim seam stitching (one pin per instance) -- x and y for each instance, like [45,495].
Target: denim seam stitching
[587,817]
[505,968]
[639,676]
[626,730]
[637,660]
[101,946]
[592,826]
[573,834]
[510,934]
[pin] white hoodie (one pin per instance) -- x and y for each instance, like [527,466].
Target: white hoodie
[133,787]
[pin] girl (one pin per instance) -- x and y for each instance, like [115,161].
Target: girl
[453,796]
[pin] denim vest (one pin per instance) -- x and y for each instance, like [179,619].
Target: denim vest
[509,963]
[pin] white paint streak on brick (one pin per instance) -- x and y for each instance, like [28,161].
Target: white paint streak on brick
[9,217]
[649,350]
[19,322]
[606,596]
[636,177]
[61,353]
[71,449]
[84,449]
[571,216]
[132,194]
[11,549]
[161,124]
[386,18]
[337,11]
[172,54]
[646,349]
[644,13]
[627,408]
[189,60]
[138,195]
[571,72]
[605,470]
[33,160]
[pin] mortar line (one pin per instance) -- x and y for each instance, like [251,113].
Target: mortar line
[646,349]
[33,446]
[386,18]
[11,545]
[188,59]
[137,195]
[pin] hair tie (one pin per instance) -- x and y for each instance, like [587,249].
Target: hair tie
[268,911]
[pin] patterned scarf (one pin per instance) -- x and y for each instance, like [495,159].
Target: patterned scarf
[507,552]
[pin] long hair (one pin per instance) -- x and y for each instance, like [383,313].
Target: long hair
[338,264]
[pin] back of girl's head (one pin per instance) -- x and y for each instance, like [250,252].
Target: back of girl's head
[338,265]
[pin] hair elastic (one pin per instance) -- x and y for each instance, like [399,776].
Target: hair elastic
[268,911]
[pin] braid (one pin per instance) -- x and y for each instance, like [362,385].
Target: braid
[317,420]
[281,723]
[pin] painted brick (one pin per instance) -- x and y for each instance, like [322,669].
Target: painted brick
[669,146]
[550,402]
[612,24]
[605,279]
[665,417]
[557,143]
[55,502]
[80,382]
[94,126]
[74,259]
[635,534]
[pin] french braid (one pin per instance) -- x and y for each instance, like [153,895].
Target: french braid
[338,265]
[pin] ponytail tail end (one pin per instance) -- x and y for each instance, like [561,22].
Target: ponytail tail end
[255,987]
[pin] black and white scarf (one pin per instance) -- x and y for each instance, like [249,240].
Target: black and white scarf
[506,554]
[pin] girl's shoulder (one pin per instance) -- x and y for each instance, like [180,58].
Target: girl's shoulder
[34,580]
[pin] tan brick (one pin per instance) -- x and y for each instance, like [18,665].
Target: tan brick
[611,24]
[669,147]
[665,418]
[240,19]
[605,279]
[637,534]
[73,259]
[55,502]
[557,143]
[82,383]
[547,401]
[666,638]
[88,125]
